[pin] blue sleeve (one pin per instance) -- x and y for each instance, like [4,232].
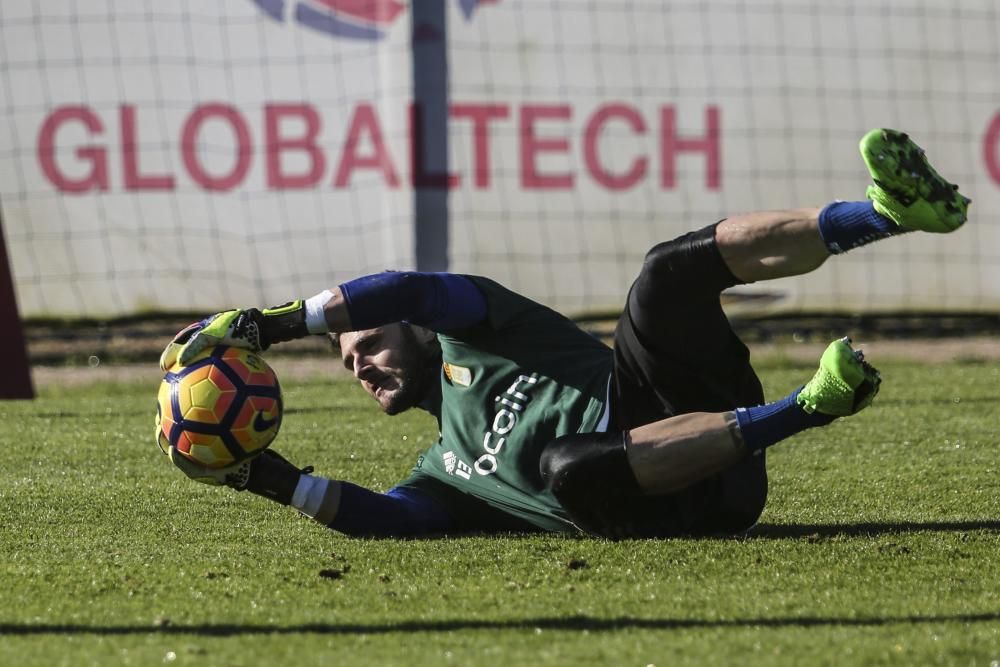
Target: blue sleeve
[437,301]
[402,512]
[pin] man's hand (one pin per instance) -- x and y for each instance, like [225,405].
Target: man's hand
[249,329]
[267,474]
[235,476]
[236,328]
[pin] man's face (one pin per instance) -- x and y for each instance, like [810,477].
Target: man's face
[391,364]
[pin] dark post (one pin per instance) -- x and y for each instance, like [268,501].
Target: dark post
[429,134]
[15,380]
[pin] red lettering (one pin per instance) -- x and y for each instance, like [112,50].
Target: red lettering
[990,156]
[591,138]
[364,120]
[130,160]
[97,157]
[419,176]
[295,156]
[189,150]
[531,146]
[480,115]
[276,144]
[671,145]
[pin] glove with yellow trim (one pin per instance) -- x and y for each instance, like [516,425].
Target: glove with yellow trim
[250,329]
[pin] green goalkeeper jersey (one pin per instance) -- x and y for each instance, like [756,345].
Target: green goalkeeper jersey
[509,386]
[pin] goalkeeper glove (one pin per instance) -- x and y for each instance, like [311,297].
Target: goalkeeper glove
[268,474]
[251,329]
[234,476]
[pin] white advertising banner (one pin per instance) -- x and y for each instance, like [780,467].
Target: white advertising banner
[180,155]
[195,156]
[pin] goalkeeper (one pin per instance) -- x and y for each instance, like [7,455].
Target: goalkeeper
[542,427]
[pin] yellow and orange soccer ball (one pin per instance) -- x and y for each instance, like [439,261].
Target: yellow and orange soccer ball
[222,408]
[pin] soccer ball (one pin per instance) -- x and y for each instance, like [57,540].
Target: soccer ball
[222,408]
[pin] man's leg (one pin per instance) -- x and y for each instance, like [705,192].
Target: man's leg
[700,452]
[768,245]
[906,194]
[671,454]
[676,353]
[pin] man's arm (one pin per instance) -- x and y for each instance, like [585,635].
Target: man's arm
[345,507]
[400,512]
[360,512]
[436,301]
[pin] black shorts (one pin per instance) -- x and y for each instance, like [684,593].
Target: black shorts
[675,352]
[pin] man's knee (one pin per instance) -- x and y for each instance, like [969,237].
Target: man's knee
[744,494]
[579,460]
[691,263]
[685,251]
[590,476]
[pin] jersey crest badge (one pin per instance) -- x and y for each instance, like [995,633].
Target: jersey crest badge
[459,375]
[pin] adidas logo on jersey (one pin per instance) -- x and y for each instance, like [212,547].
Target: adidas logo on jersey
[456,466]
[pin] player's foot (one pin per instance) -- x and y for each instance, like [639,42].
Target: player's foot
[907,190]
[844,384]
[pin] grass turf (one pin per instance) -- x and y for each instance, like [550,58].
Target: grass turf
[879,545]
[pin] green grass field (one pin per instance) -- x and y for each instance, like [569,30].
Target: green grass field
[880,545]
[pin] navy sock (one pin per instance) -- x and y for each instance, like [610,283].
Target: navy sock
[764,425]
[848,224]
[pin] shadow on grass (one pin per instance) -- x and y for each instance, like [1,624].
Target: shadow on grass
[570,623]
[938,400]
[762,531]
[795,530]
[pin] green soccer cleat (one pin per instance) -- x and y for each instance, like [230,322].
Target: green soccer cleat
[907,190]
[844,384]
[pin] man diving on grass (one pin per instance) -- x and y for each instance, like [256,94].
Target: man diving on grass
[543,427]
